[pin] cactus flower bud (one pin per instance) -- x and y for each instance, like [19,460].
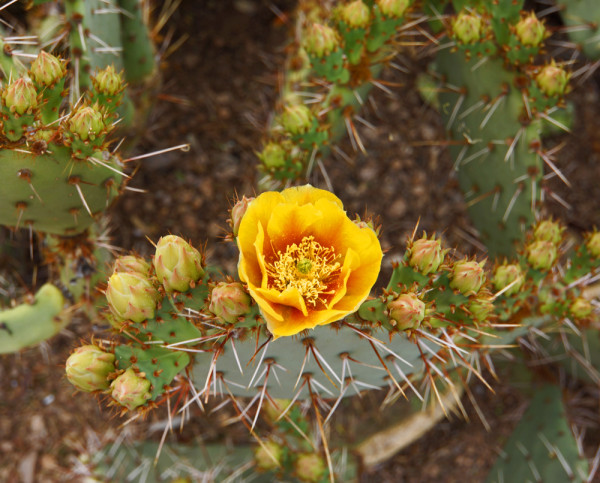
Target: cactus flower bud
[530,30]
[273,156]
[268,456]
[87,123]
[593,244]
[467,28]
[407,311]
[88,368]
[108,81]
[553,80]
[310,467]
[393,8]
[541,254]
[320,40]
[467,277]
[237,213]
[481,308]
[581,308]
[131,296]
[507,274]
[356,14]
[130,389]
[548,230]
[229,301]
[20,96]
[132,264]
[47,69]
[296,118]
[178,265]
[426,255]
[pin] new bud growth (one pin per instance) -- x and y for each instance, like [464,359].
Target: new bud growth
[178,265]
[426,255]
[548,230]
[320,40]
[130,389]
[268,456]
[296,119]
[273,156]
[229,301]
[393,8]
[467,277]
[530,31]
[47,69]
[88,368]
[20,96]
[131,296]
[356,14]
[237,213]
[581,308]
[480,309]
[506,275]
[108,81]
[553,80]
[87,123]
[541,254]
[310,467]
[407,311]
[467,28]
[132,264]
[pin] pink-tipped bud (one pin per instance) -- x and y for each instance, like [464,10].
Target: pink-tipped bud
[310,467]
[467,28]
[86,123]
[131,296]
[273,156]
[108,81]
[178,265]
[426,255]
[88,368]
[548,230]
[356,14]
[20,96]
[530,30]
[593,244]
[132,264]
[581,308]
[230,301]
[296,119]
[131,390]
[393,8]
[553,80]
[541,254]
[506,275]
[320,40]
[268,456]
[47,69]
[467,277]
[480,309]
[406,311]
[238,212]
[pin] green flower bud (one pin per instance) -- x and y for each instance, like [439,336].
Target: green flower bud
[310,467]
[426,255]
[393,8]
[108,81]
[467,28]
[407,311]
[296,119]
[237,213]
[480,309]
[47,69]
[356,14]
[553,80]
[541,254]
[178,265]
[131,296]
[86,123]
[20,96]
[467,277]
[230,301]
[581,308]
[530,31]
[507,274]
[268,456]
[548,230]
[593,244]
[88,368]
[130,389]
[132,264]
[320,40]
[273,156]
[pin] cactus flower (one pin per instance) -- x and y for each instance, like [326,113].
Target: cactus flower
[467,277]
[320,40]
[507,274]
[130,389]
[541,254]
[47,69]
[229,301]
[553,80]
[178,264]
[407,311]
[393,8]
[20,96]
[87,123]
[304,261]
[426,255]
[237,213]
[356,14]
[88,368]
[133,264]
[131,296]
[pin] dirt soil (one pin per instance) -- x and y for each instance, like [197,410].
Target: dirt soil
[218,92]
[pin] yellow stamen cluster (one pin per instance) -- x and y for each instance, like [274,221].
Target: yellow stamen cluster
[308,267]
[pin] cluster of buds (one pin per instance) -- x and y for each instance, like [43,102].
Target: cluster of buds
[542,250]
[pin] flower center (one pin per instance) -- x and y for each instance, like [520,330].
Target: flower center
[308,267]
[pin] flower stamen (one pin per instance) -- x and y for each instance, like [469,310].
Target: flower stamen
[308,267]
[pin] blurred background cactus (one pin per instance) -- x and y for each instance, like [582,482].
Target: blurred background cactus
[461,102]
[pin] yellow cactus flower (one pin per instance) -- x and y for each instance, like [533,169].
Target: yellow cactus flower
[304,261]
